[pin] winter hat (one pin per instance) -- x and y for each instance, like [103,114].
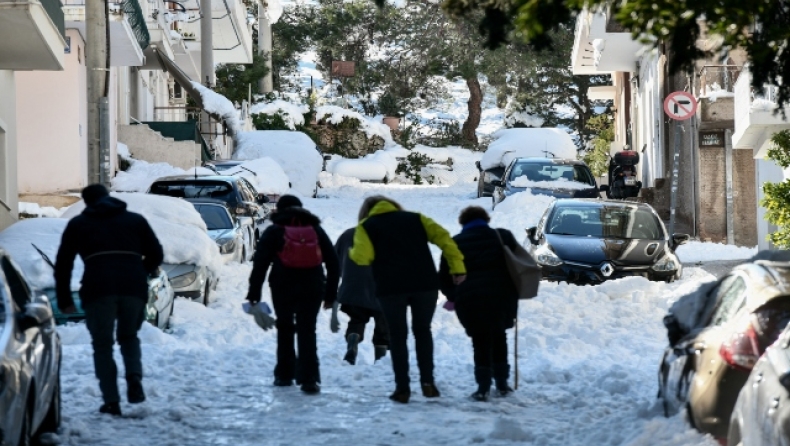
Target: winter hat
[288,201]
[93,193]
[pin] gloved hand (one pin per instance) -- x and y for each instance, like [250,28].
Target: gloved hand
[334,323]
[449,306]
[262,317]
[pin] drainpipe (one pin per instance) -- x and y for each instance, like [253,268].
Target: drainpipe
[265,47]
[206,64]
[728,173]
[694,145]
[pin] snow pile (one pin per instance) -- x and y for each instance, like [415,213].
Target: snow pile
[560,183]
[453,164]
[41,211]
[177,225]
[714,92]
[707,252]
[218,104]
[515,143]
[292,114]
[139,176]
[333,114]
[264,173]
[123,151]
[365,169]
[274,10]
[523,118]
[761,104]
[18,239]
[520,211]
[295,152]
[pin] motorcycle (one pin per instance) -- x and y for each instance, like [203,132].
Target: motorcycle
[622,175]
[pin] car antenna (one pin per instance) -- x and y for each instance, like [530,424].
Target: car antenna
[195,169]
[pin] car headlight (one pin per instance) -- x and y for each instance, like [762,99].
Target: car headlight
[183,280]
[666,264]
[545,256]
[226,245]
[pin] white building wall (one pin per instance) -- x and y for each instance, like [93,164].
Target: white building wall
[648,104]
[9,201]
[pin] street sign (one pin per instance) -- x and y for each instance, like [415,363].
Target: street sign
[680,105]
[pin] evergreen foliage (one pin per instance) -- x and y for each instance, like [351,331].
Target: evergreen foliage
[776,199]
[597,157]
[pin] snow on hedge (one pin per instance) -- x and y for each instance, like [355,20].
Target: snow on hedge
[179,227]
[295,152]
[292,114]
[525,142]
[264,173]
[218,104]
[139,176]
[17,240]
[525,118]
[333,114]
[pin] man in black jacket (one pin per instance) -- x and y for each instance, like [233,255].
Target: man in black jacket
[120,251]
[296,293]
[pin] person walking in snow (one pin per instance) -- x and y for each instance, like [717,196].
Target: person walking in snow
[295,246]
[120,251]
[394,243]
[357,296]
[487,301]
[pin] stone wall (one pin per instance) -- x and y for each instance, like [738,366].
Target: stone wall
[148,145]
[350,143]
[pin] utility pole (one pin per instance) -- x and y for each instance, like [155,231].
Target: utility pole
[96,57]
[206,64]
[265,47]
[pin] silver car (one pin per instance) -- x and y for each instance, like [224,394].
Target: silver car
[192,281]
[30,362]
[233,236]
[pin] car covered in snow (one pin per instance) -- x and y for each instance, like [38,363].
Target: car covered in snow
[717,333]
[559,178]
[590,241]
[34,243]
[30,353]
[230,233]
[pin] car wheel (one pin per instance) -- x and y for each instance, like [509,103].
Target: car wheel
[205,293]
[51,420]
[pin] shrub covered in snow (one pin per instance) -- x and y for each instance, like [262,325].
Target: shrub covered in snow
[278,115]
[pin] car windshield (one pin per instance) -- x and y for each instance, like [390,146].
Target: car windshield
[605,221]
[217,190]
[216,217]
[546,172]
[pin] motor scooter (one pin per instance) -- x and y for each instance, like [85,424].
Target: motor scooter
[622,175]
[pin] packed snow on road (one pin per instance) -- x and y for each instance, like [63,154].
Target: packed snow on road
[588,358]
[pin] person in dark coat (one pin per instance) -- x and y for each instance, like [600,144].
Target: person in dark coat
[394,243]
[357,296]
[296,294]
[120,251]
[487,301]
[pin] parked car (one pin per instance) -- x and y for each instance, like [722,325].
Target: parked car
[762,412]
[232,234]
[589,241]
[559,178]
[221,166]
[485,187]
[717,335]
[30,362]
[236,192]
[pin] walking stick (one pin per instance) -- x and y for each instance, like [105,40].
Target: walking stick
[515,354]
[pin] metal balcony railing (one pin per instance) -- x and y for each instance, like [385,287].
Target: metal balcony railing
[133,13]
[55,11]
[714,78]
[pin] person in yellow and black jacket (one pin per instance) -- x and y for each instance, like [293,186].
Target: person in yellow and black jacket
[394,243]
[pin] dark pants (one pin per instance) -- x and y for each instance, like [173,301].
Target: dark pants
[359,317]
[100,317]
[422,305]
[490,346]
[296,316]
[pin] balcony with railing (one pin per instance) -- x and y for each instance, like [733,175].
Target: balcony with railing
[32,35]
[129,34]
[756,116]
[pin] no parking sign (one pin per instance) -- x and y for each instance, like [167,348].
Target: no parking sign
[680,105]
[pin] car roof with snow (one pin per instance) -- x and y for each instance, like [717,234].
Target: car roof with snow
[560,161]
[229,178]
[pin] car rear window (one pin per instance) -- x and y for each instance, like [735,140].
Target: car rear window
[217,190]
[605,221]
[539,172]
[216,217]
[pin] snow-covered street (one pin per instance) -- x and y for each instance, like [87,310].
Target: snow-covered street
[588,359]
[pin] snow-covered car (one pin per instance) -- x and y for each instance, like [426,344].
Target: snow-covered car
[558,178]
[34,242]
[717,333]
[192,260]
[30,361]
[295,152]
[230,234]
[762,412]
[590,241]
[485,186]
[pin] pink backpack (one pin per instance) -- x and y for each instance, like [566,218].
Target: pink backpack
[301,248]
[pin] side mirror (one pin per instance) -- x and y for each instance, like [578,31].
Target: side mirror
[531,235]
[498,183]
[680,239]
[604,188]
[477,164]
[36,314]
[241,209]
[263,199]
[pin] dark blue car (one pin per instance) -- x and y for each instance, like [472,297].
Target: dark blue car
[559,178]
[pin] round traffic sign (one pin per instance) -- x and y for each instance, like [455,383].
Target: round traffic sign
[680,105]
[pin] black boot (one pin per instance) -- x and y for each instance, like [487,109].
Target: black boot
[401,395]
[351,353]
[134,390]
[113,409]
[380,351]
[483,378]
[501,375]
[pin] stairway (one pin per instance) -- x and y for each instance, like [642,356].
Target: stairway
[148,145]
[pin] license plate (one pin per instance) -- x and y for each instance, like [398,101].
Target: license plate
[630,181]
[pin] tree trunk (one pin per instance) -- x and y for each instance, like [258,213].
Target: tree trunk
[469,130]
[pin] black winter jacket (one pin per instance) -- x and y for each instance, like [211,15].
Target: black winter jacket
[357,287]
[488,290]
[293,280]
[119,250]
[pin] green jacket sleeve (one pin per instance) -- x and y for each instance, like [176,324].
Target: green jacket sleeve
[441,238]
[362,252]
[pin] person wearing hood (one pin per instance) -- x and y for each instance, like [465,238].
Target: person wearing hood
[394,243]
[298,285]
[119,250]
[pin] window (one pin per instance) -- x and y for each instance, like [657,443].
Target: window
[541,172]
[248,191]
[216,217]
[195,189]
[730,299]
[19,290]
[606,221]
